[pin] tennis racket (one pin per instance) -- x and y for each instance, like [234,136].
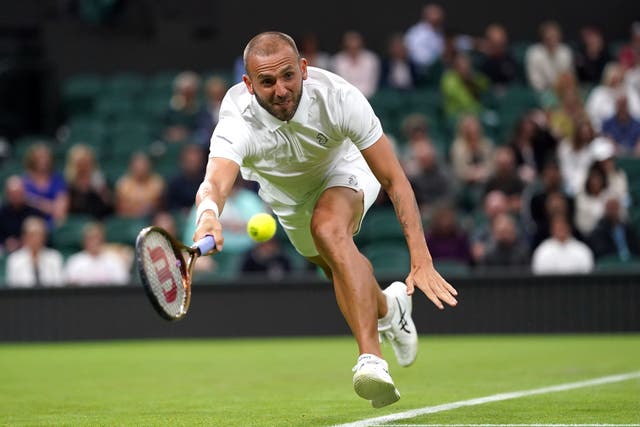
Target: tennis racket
[166,277]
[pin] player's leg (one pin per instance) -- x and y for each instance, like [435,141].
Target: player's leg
[335,219]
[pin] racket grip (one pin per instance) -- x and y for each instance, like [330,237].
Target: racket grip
[206,244]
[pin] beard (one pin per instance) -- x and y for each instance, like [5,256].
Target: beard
[279,113]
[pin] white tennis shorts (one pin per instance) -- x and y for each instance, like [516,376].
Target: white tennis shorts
[296,220]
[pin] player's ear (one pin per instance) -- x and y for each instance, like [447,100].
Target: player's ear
[303,68]
[248,84]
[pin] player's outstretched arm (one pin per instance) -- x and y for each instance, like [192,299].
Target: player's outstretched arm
[386,167]
[212,195]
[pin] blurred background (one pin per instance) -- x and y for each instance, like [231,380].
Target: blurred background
[518,125]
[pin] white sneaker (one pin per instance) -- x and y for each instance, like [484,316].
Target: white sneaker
[372,381]
[397,327]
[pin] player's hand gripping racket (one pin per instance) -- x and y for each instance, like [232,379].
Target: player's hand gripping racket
[165,275]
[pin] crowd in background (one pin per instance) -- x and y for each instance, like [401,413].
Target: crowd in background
[546,196]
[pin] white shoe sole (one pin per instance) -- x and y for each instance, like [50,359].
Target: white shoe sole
[380,392]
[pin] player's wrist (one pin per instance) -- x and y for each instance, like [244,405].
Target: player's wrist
[207,207]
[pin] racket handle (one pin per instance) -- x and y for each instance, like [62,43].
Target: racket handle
[206,244]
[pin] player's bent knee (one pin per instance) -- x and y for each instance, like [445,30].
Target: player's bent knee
[328,233]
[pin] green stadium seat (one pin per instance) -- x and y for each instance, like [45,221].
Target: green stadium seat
[615,264]
[128,137]
[448,268]
[126,84]
[67,237]
[388,257]
[123,230]
[79,93]
[227,268]
[380,224]
[23,144]
[114,106]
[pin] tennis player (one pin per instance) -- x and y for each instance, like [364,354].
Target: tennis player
[313,143]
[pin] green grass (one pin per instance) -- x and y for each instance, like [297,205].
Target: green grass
[294,382]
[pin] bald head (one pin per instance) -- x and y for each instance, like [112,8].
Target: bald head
[268,43]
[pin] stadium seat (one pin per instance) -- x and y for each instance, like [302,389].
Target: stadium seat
[79,93]
[448,268]
[123,230]
[380,224]
[128,137]
[67,237]
[613,264]
[114,106]
[126,84]
[388,257]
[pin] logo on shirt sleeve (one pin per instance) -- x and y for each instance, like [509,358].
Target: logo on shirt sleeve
[322,140]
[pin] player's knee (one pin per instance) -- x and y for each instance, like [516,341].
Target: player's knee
[327,230]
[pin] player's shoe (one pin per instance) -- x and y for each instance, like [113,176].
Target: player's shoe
[398,327]
[371,381]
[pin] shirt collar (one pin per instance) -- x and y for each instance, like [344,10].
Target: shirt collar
[301,115]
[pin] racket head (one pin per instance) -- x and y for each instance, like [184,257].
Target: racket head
[165,275]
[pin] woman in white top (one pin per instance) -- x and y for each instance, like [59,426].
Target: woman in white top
[601,102]
[590,202]
[575,156]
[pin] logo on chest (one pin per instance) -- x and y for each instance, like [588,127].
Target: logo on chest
[322,140]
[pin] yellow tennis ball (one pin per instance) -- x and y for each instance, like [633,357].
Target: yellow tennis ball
[261,227]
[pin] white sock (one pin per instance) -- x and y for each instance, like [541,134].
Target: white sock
[391,310]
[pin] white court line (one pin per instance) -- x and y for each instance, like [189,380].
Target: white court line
[508,425]
[489,399]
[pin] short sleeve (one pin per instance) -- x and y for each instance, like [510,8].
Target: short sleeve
[228,141]
[360,123]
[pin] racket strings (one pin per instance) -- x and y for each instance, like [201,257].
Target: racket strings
[163,273]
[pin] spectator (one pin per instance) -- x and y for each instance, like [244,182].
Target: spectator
[562,253]
[357,65]
[433,182]
[522,145]
[613,235]
[425,39]
[590,201]
[538,209]
[575,155]
[505,178]
[241,204]
[95,264]
[507,248]
[139,192]
[447,240]
[181,118]
[88,190]
[309,49]
[215,89]
[565,106]
[46,189]
[629,55]
[13,212]
[495,203]
[497,62]
[415,129]
[268,259]
[34,264]
[397,70]
[556,204]
[601,103]
[462,88]
[181,189]
[471,153]
[592,55]
[604,153]
[532,144]
[623,128]
[545,61]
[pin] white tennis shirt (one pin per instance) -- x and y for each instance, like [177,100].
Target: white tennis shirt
[292,160]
